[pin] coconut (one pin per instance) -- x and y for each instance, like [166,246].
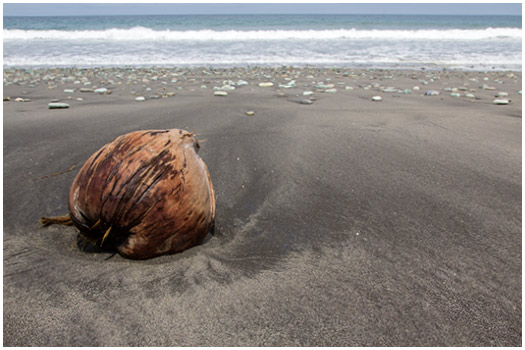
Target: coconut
[145,194]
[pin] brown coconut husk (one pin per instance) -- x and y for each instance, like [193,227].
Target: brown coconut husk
[145,194]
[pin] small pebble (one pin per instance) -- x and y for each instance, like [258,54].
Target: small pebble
[7,98]
[140,98]
[501,102]
[331,90]
[86,90]
[250,113]
[431,93]
[389,89]
[101,91]
[377,98]
[455,94]
[306,102]
[69,91]
[57,105]
[502,94]
[266,84]
[220,93]
[308,93]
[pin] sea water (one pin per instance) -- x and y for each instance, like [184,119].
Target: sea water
[369,41]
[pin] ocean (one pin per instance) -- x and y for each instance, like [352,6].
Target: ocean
[360,41]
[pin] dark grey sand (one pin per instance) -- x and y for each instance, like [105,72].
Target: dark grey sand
[345,222]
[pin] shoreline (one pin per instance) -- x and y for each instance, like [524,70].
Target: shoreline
[233,66]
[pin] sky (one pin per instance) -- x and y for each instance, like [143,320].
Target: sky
[83,9]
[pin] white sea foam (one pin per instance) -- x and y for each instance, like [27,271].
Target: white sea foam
[147,34]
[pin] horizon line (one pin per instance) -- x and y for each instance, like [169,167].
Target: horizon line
[272,13]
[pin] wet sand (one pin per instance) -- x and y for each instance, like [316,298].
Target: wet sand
[344,222]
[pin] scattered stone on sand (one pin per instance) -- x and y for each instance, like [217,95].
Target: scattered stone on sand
[69,91]
[140,98]
[486,87]
[266,84]
[377,98]
[324,86]
[281,94]
[331,90]
[57,105]
[101,91]
[289,85]
[415,88]
[348,88]
[7,98]
[220,93]
[501,102]
[20,99]
[308,93]
[154,97]
[470,96]
[80,99]
[431,93]
[306,102]
[389,89]
[502,94]
[86,90]
[455,94]
[250,113]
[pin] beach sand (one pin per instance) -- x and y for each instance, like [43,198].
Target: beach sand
[345,222]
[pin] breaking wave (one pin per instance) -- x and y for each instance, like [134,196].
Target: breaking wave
[147,34]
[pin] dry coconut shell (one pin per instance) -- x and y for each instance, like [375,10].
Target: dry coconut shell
[145,194]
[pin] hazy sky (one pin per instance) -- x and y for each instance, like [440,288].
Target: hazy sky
[65,9]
